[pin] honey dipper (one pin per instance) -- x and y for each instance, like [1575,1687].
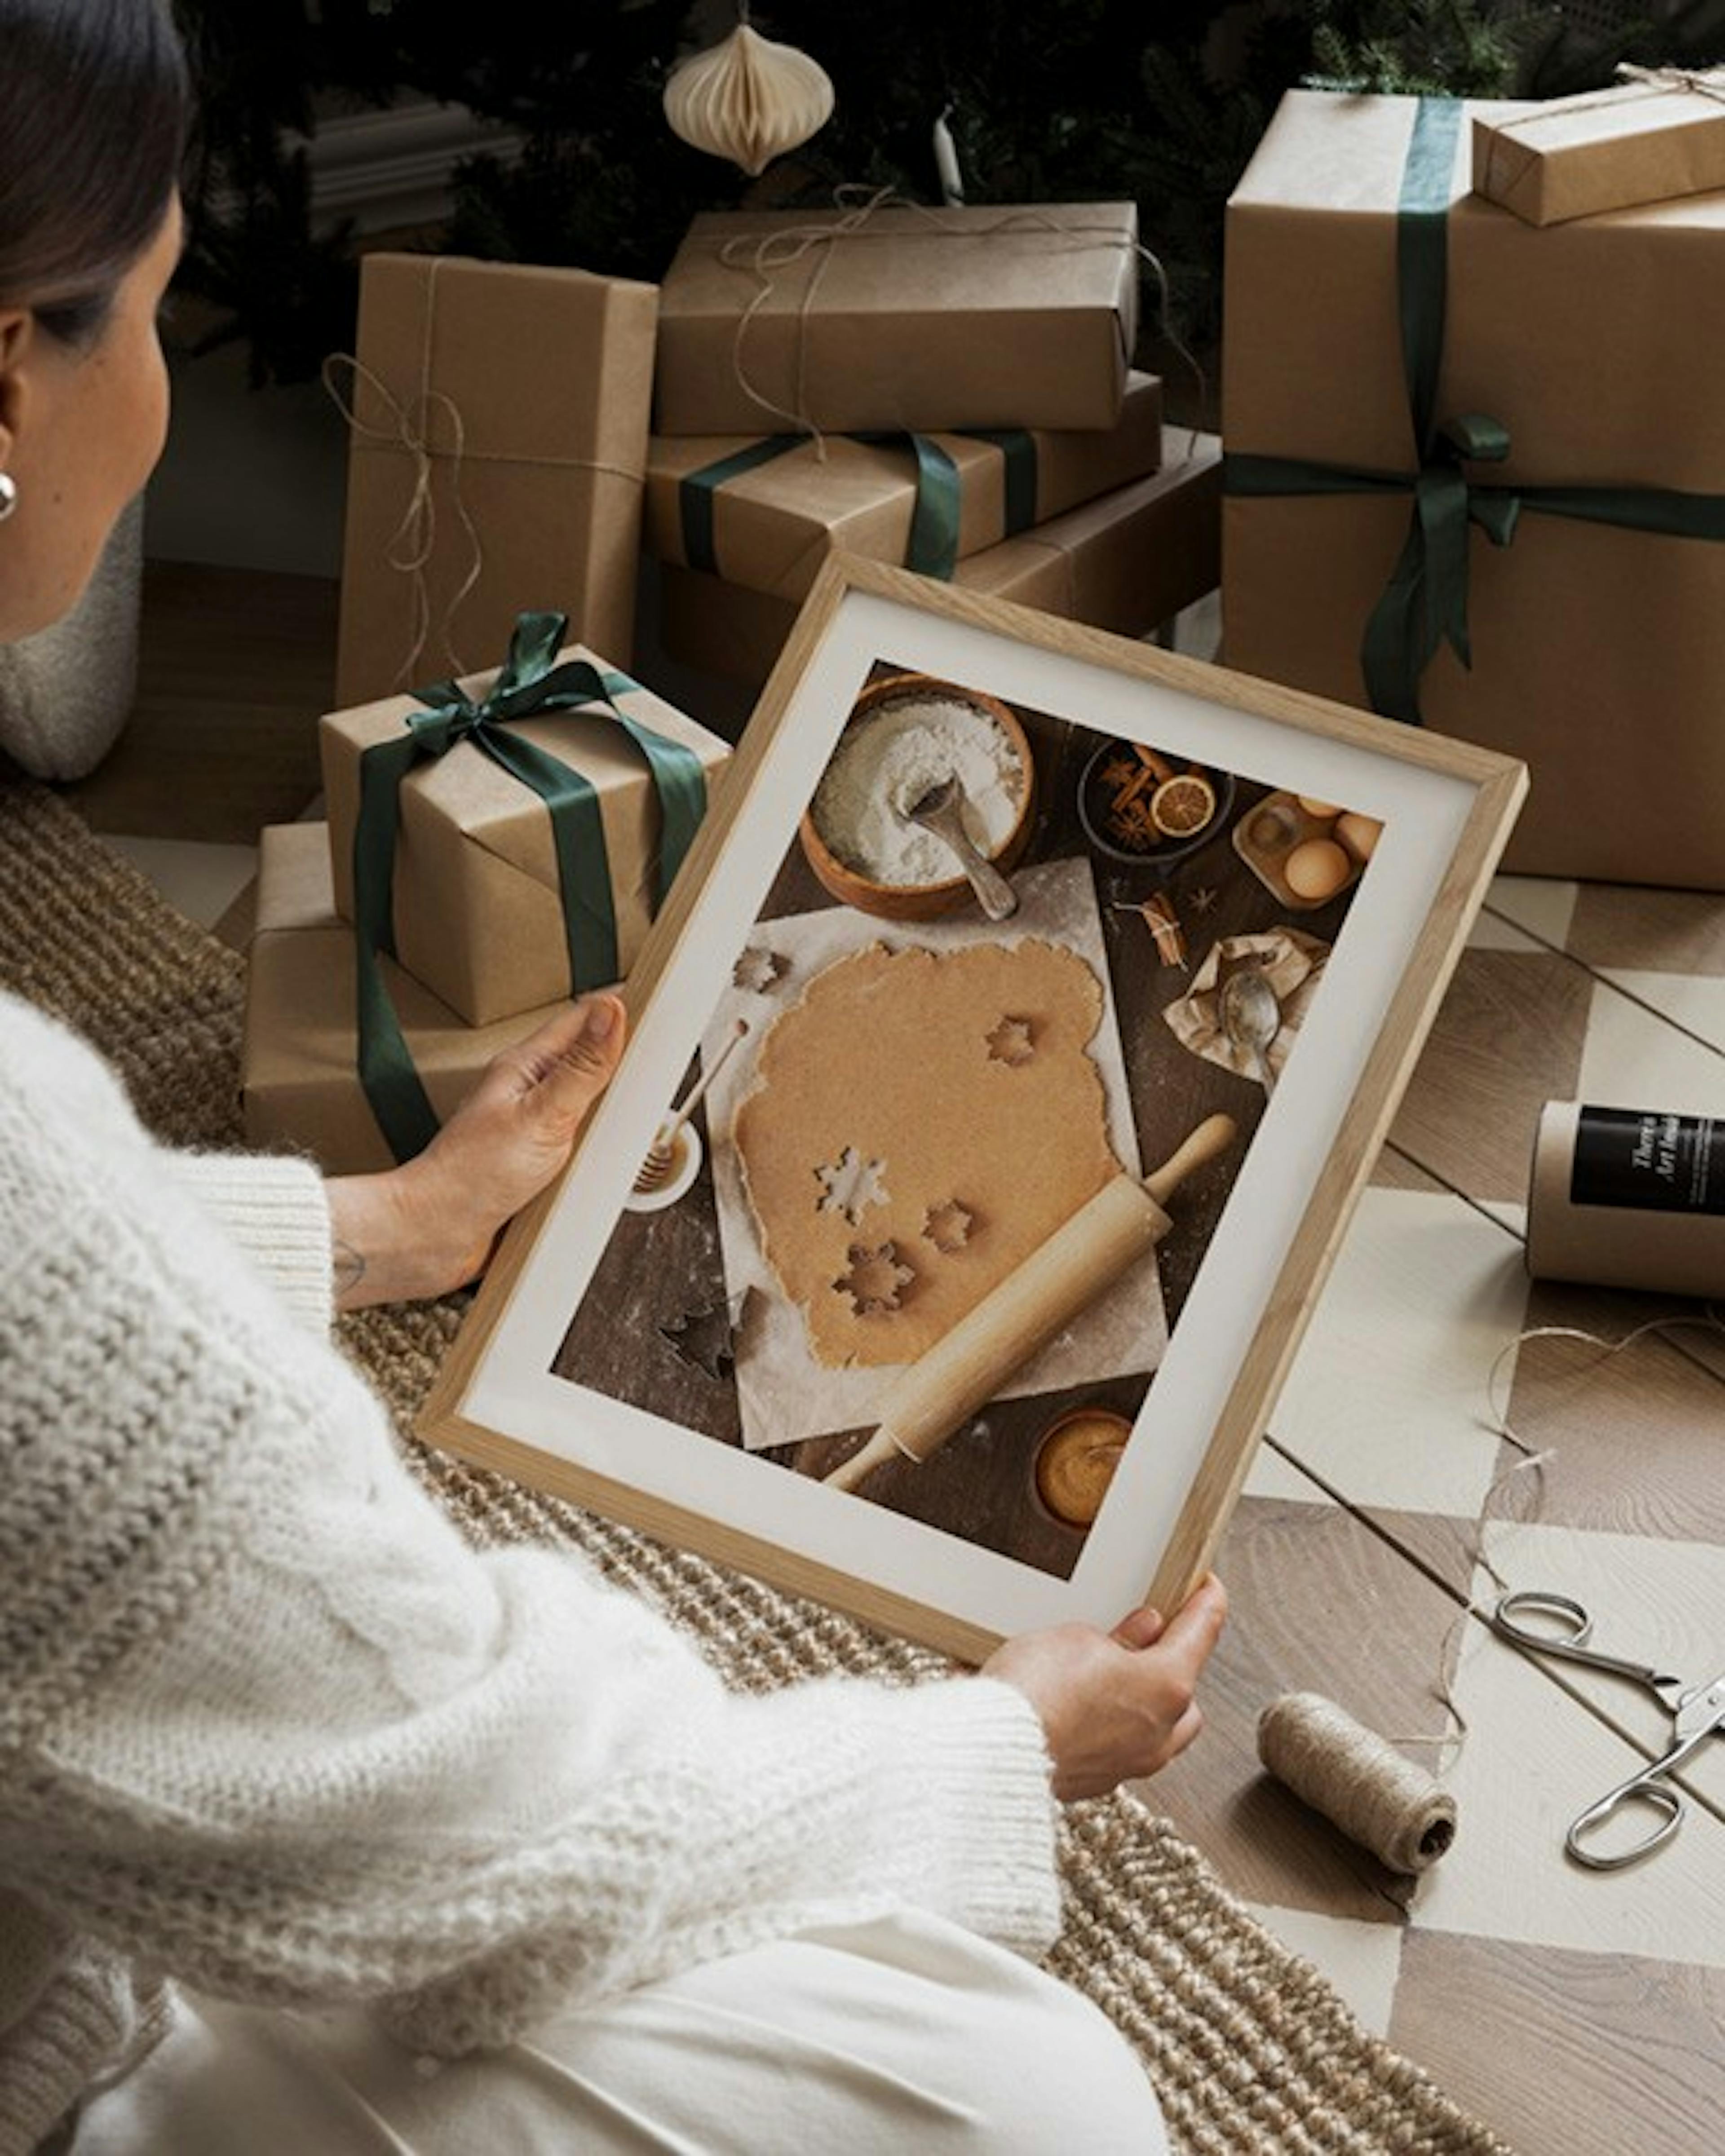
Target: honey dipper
[662,1153]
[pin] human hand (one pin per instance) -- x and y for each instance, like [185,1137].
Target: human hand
[1115,1704]
[429,1226]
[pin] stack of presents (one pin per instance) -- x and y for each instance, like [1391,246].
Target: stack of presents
[1475,478]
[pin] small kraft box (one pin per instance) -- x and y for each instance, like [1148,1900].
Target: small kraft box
[899,316]
[1475,475]
[1127,562]
[497,441]
[299,1059]
[482,909]
[1657,135]
[768,512]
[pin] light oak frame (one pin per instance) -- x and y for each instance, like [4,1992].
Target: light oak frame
[1498,786]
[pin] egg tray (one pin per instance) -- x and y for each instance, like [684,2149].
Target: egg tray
[1293,825]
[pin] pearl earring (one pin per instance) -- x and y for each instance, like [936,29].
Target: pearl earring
[8,495]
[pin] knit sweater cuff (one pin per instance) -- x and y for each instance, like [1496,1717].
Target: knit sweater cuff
[274,1207]
[91,2023]
[980,1746]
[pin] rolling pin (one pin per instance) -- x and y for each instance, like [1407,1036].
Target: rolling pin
[942,1387]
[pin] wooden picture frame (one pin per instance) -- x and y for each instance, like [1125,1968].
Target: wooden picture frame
[611,1356]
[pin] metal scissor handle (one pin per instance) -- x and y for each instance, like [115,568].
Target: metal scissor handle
[1702,1708]
[1643,1788]
[1571,1642]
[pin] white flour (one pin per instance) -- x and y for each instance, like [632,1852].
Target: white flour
[882,767]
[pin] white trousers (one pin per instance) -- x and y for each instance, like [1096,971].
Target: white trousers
[906,2033]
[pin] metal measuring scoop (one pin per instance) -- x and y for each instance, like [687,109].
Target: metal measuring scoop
[1251,1019]
[941,810]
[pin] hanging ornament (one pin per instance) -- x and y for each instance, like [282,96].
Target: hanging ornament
[748,99]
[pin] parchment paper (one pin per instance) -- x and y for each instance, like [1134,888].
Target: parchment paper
[785,1395]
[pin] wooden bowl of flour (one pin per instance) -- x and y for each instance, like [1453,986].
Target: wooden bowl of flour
[904,733]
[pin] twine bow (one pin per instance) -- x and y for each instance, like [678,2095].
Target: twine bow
[1701,82]
[529,683]
[413,542]
[856,207]
[410,428]
[1425,604]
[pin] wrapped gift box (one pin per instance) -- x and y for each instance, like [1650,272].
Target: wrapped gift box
[899,317]
[298,1068]
[518,400]
[478,904]
[1598,647]
[1648,141]
[767,513]
[1127,562]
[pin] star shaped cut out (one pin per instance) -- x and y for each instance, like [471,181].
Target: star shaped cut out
[850,1184]
[1010,1043]
[876,1281]
[758,970]
[1203,900]
[947,1226]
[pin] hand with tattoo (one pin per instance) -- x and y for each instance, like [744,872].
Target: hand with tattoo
[430,1226]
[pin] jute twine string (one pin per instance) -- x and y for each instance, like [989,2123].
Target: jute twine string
[1533,1462]
[1350,1773]
[1709,82]
[774,252]
[411,428]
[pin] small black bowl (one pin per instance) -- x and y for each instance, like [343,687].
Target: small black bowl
[1164,852]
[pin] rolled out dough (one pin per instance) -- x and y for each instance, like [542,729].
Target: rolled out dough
[895,1058]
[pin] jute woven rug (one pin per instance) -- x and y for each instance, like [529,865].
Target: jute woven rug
[1252,2052]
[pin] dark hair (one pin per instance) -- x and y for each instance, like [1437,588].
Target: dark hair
[94,104]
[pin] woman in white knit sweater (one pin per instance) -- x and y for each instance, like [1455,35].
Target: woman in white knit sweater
[320,1831]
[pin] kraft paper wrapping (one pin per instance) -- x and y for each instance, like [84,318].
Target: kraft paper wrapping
[773,526]
[1293,965]
[899,317]
[1578,156]
[300,1086]
[1127,562]
[478,909]
[1598,654]
[530,389]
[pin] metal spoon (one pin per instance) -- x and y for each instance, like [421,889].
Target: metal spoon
[1251,1019]
[941,810]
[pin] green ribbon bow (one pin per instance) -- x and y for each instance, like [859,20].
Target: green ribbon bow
[529,683]
[932,548]
[1424,604]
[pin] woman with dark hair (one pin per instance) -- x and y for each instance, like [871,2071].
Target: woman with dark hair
[319,1831]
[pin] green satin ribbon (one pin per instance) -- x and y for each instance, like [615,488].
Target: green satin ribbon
[1018,449]
[932,549]
[529,684]
[1424,604]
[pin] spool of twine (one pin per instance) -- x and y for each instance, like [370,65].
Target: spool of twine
[1359,1783]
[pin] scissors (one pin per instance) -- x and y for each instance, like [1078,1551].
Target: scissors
[1697,1712]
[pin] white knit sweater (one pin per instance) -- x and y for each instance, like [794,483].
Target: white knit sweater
[269,1725]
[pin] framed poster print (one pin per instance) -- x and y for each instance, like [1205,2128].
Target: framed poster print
[955,1211]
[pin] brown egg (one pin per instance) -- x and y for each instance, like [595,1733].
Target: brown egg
[1313,806]
[1318,870]
[1359,834]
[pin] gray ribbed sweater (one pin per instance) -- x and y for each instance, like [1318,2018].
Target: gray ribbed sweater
[269,1725]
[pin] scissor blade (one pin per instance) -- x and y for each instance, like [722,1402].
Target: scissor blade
[1702,1711]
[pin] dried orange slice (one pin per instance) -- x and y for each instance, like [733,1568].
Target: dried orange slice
[1183,805]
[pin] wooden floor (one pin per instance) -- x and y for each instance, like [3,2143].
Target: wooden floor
[1580,2013]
